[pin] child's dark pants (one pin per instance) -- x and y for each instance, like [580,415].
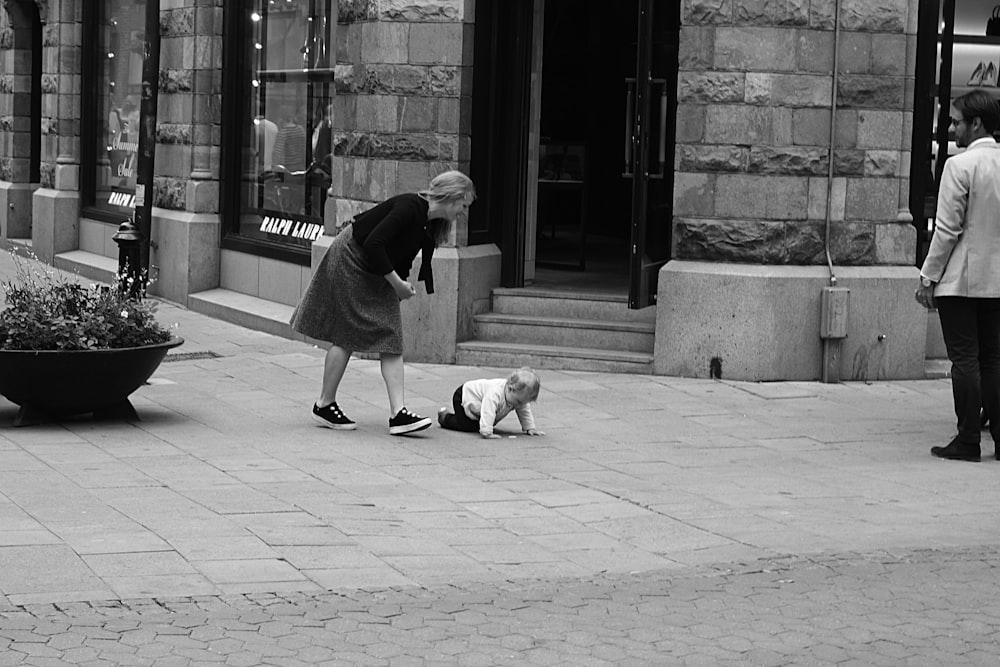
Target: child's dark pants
[460,421]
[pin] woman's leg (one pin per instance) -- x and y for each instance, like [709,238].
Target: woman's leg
[392,374]
[333,373]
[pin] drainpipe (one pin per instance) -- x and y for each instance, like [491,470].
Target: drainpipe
[834,300]
[147,135]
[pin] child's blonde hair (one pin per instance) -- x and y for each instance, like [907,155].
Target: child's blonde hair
[525,381]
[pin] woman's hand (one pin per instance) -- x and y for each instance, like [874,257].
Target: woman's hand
[404,288]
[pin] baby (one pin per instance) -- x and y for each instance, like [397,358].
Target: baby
[479,405]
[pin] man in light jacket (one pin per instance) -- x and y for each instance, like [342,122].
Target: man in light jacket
[961,274]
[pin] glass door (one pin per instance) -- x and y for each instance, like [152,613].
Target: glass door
[650,121]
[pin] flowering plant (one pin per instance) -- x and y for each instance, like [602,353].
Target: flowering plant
[46,311]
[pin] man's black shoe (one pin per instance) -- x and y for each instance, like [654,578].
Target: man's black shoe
[957,451]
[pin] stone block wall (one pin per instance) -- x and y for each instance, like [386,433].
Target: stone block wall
[403,87]
[189,107]
[753,131]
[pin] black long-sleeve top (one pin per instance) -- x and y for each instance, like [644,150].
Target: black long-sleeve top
[392,233]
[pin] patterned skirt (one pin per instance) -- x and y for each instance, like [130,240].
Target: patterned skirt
[349,306]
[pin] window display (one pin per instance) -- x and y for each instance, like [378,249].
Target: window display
[119,41]
[287,84]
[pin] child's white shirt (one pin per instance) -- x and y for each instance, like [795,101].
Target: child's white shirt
[487,400]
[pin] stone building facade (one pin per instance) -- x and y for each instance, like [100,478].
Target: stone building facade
[757,221]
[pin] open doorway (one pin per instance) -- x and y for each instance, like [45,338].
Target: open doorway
[605,114]
[582,216]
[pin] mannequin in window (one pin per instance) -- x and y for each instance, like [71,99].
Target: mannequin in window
[290,160]
[321,168]
[265,134]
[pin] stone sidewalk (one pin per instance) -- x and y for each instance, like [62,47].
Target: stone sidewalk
[226,487]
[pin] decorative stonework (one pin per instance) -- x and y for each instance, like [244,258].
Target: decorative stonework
[353,11]
[753,154]
[400,75]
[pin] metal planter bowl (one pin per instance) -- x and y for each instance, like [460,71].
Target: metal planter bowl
[59,383]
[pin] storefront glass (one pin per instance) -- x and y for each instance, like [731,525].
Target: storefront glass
[118,76]
[287,141]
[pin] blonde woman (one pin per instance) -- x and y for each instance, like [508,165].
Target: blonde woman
[352,301]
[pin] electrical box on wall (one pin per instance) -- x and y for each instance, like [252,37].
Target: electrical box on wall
[833,317]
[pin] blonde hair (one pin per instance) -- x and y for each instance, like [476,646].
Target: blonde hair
[447,186]
[525,381]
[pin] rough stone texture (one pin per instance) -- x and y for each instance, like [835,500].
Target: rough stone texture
[871,92]
[768,153]
[710,87]
[788,160]
[772,12]
[713,158]
[848,162]
[874,16]
[882,163]
[774,242]
[710,12]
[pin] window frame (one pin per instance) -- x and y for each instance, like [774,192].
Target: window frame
[236,104]
[91,125]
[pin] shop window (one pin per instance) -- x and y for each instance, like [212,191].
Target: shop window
[954,56]
[279,151]
[113,77]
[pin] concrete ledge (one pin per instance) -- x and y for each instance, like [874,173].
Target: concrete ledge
[87,265]
[245,310]
[762,322]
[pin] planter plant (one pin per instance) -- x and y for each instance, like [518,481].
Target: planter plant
[68,348]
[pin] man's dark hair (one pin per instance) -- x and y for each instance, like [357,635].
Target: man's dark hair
[981,104]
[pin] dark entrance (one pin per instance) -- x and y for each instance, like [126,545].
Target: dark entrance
[605,147]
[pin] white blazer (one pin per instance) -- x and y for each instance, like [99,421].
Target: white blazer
[964,256]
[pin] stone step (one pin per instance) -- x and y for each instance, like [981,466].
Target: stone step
[513,355]
[248,311]
[553,303]
[87,265]
[937,368]
[566,332]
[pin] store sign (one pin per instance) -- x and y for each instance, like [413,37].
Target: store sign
[122,155]
[289,228]
[123,199]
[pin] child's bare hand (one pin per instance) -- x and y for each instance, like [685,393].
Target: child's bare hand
[534,431]
[491,436]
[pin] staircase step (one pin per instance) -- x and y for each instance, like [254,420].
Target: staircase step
[554,303]
[245,310]
[561,331]
[512,355]
[937,368]
[88,265]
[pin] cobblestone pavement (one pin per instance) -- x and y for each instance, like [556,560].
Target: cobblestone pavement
[928,607]
[225,527]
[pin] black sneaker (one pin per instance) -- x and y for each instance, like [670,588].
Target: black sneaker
[333,417]
[407,422]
